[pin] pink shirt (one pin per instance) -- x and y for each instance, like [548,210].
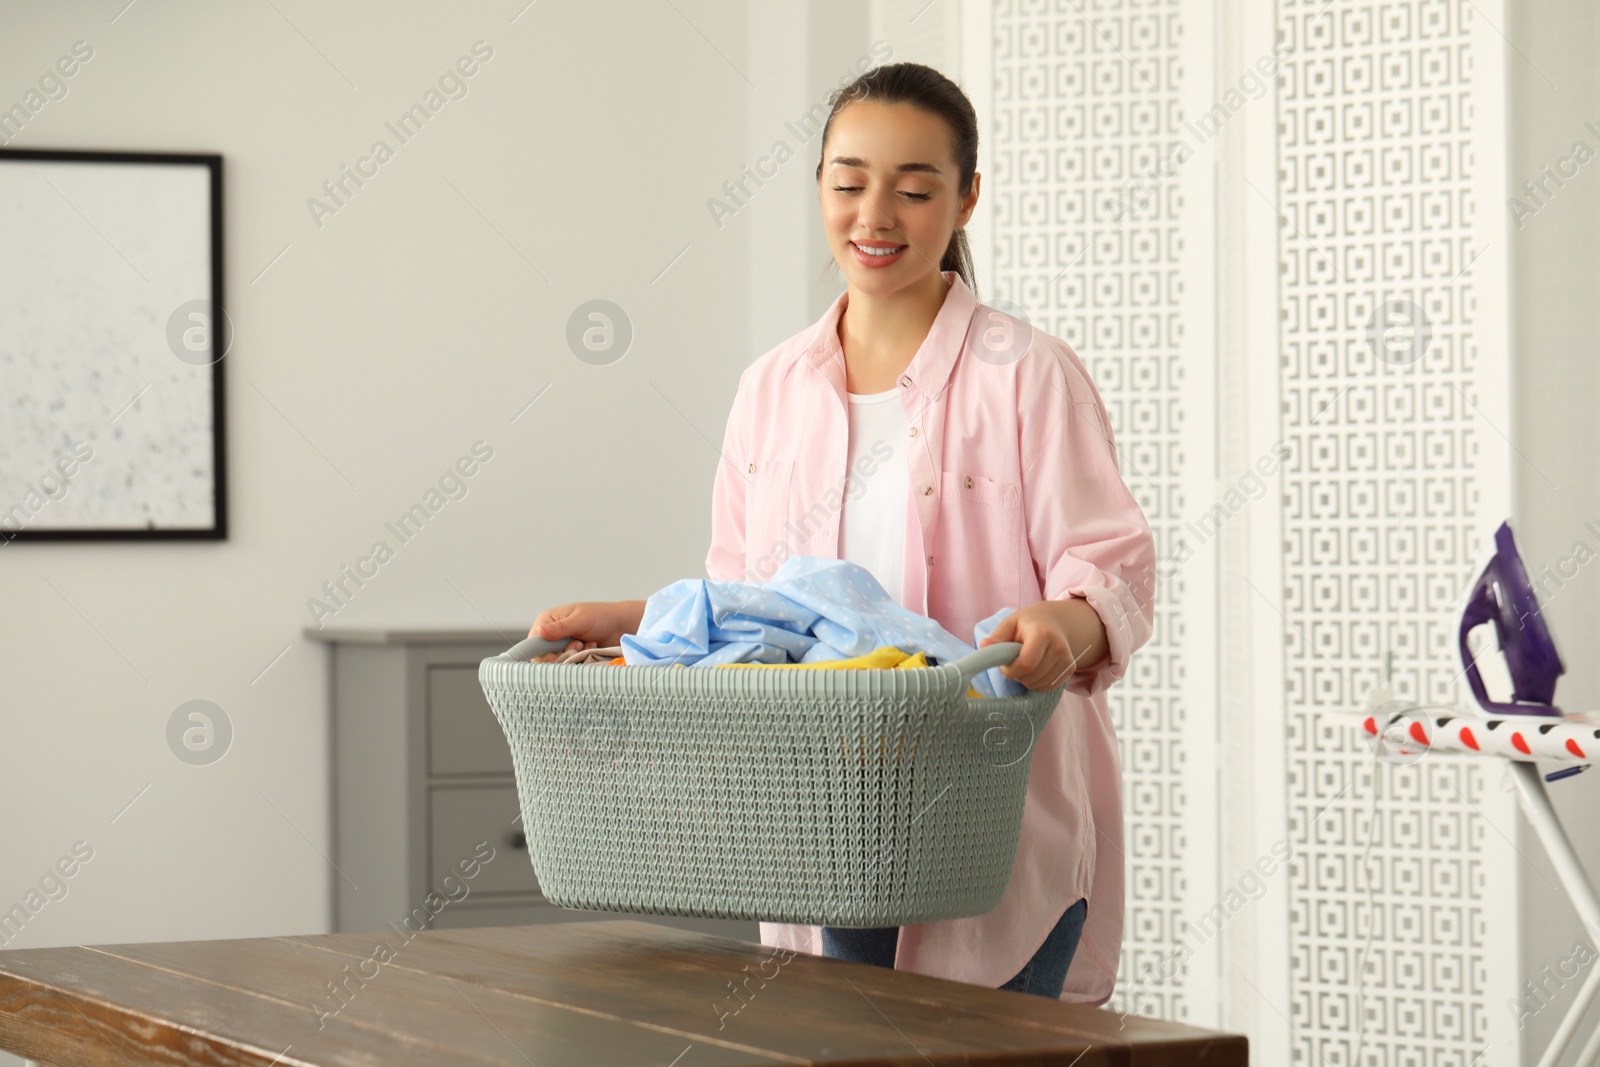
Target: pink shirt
[1015,497]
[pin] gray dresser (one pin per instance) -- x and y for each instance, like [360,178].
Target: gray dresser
[421,775]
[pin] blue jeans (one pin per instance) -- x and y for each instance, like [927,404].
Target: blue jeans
[1043,975]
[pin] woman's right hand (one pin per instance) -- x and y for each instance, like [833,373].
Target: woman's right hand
[589,624]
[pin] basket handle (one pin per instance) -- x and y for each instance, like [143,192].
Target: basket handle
[975,663]
[530,647]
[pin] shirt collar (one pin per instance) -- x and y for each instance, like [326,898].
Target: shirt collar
[930,367]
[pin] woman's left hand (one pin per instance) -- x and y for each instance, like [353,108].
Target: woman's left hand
[1058,638]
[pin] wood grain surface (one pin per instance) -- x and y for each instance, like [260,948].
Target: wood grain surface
[556,995]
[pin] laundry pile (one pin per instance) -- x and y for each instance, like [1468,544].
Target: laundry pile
[886,658]
[814,612]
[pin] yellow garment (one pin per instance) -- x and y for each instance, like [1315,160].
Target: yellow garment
[877,659]
[885,658]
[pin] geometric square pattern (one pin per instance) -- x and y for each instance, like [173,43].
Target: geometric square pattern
[1084,101]
[1375,207]
[1380,511]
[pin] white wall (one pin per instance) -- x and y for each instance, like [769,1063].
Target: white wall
[367,358]
[1555,94]
[804,50]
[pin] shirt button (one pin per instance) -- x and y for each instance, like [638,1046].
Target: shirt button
[927,489]
[913,431]
[969,481]
[752,468]
[930,561]
[905,379]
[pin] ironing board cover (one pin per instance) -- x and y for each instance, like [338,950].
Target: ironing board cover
[1402,729]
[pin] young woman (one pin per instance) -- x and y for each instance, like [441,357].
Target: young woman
[966,461]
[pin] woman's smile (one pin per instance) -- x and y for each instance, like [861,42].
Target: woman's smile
[877,253]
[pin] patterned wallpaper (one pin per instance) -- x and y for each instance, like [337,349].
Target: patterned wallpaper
[1379,421]
[1381,523]
[1085,106]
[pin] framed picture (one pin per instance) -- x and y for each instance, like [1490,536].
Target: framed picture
[112,346]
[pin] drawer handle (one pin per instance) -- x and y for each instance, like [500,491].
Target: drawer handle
[518,840]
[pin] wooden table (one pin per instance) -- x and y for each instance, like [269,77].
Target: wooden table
[592,994]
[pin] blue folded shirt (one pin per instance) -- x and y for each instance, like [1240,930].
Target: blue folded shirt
[812,610]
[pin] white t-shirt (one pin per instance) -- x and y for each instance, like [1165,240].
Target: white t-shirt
[872,525]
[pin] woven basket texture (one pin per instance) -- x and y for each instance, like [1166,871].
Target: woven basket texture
[839,798]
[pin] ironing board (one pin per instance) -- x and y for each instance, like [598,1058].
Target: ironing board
[1527,728]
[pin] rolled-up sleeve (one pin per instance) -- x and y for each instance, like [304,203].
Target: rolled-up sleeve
[1087,533]
[726,559]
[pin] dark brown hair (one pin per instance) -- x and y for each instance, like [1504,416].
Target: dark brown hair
[925,88]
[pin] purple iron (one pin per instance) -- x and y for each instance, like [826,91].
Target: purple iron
[1504,596]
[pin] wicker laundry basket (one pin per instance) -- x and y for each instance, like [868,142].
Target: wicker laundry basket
[838,798]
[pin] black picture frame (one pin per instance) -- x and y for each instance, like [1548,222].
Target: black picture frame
[220,332]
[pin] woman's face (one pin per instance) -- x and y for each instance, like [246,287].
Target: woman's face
[891,195]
